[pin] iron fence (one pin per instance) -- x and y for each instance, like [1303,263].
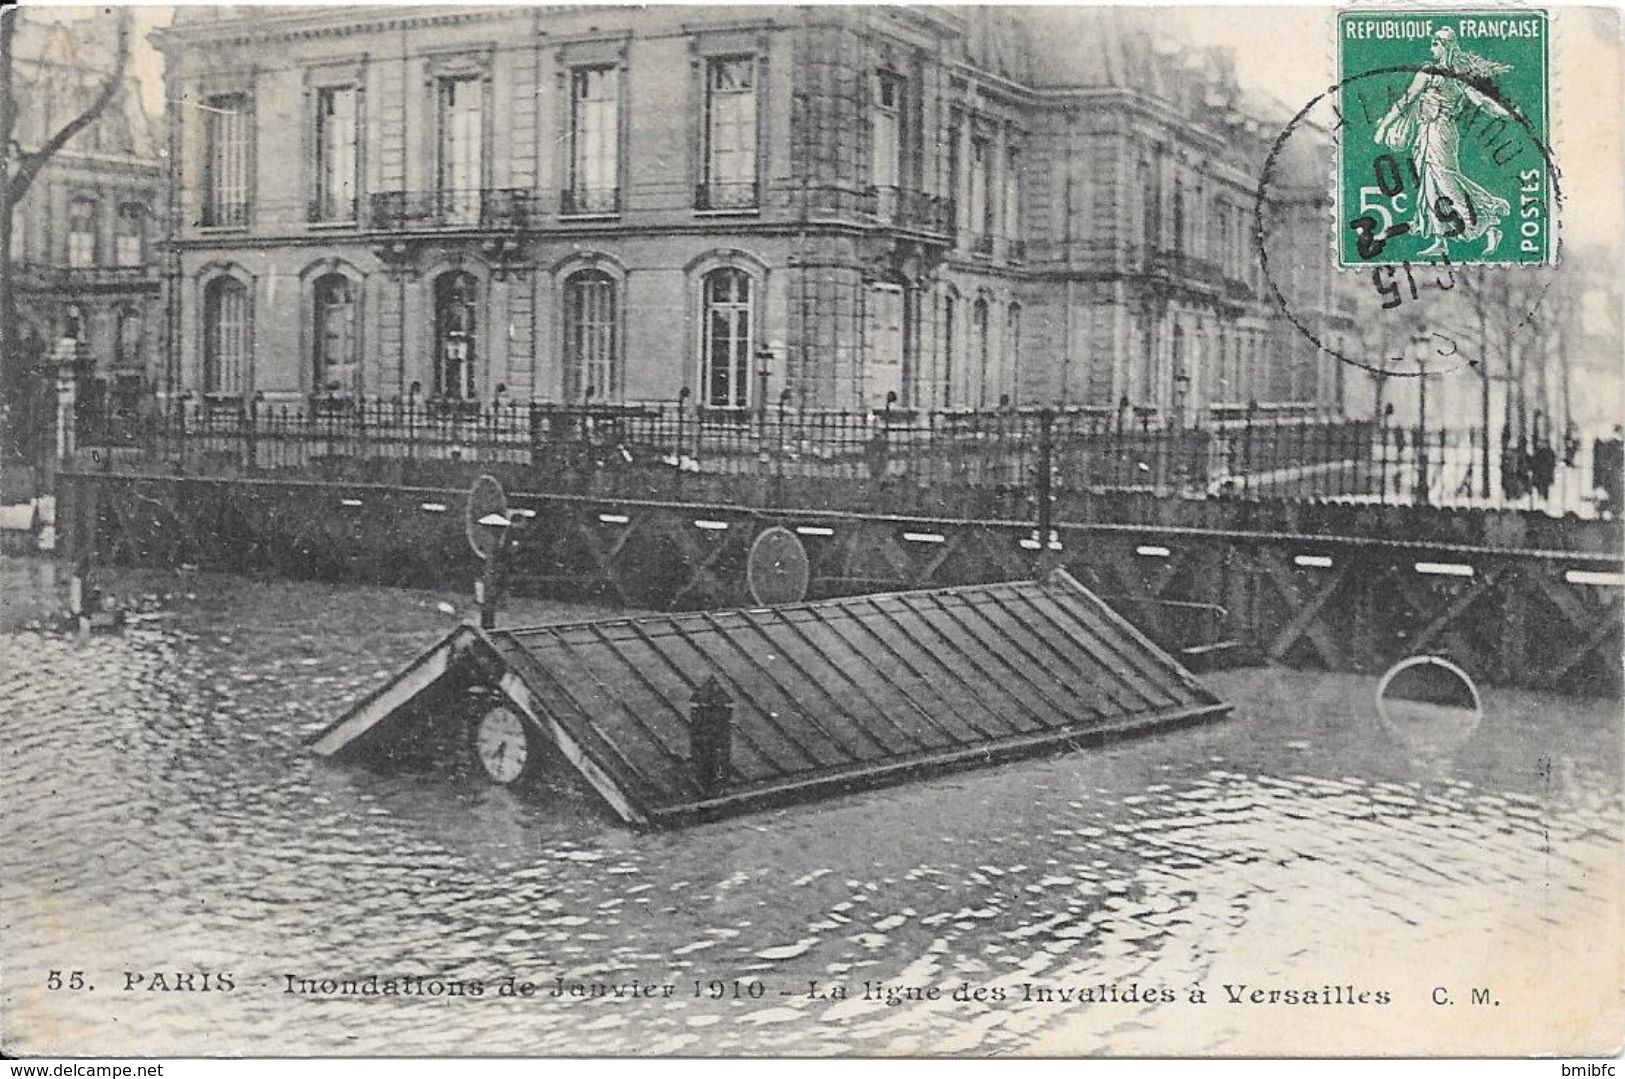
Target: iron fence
[1061,453]
[488,208]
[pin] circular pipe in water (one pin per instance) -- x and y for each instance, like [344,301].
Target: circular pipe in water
[1429,704]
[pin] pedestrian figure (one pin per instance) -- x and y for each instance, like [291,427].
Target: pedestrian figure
[1542,468]
[1510,488]
[875,452]
[1608,472]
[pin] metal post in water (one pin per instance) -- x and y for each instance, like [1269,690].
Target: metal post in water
[1046,465]
[711,736]
[487,587]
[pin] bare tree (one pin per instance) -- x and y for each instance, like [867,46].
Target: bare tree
[1519,317]
[19,167]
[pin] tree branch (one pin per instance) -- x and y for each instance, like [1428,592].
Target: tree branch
[8,101]
[30,164]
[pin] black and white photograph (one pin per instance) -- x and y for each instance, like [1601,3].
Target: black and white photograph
[826,530]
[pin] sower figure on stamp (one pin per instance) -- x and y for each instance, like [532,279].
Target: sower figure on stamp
[1423,121]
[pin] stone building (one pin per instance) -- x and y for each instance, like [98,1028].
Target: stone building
[831,206]
[84,237]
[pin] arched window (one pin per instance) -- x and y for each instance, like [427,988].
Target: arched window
[127,337]
[949,312]
[1012,349]
[225,336]
[335,351]
[979,342]
[128,249]
[81,231]
[591,338]
[456,298]
[1145,392]
[1198,209]
[726,338]
[1179,377]
[884,341]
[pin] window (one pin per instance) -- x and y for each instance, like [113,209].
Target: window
[461,172]
[981,192]
[335,349]
[979,342]
[127,337]
[729,180]
[726,342]
[1238,373]
[1012,349]
[1012,195]
[128,248]
[887,126]
[594,141]
[226,140]
[955,123]
[1148,209]
[1148,360]
[949,311]
[225,336]
[81,231]
[126,398]
[456,296]
[336,124]
[1179,216]
[1240,243]
[591,337]
[885,339]
[1197,240]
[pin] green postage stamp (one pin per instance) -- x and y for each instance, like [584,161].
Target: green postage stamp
[1445,151]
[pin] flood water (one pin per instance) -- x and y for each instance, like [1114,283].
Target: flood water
[160,815]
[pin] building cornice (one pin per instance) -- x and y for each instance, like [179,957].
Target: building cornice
[542,236]
[338,22]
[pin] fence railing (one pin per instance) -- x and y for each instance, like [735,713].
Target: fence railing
[491,208]
[1086,450]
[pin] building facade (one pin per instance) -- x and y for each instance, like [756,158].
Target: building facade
[831,207]
[84,238]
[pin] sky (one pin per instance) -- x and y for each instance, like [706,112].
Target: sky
[1587,56]
[1287,52]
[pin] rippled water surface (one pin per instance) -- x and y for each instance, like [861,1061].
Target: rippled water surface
[160,815]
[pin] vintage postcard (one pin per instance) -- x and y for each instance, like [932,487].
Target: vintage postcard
[860,530]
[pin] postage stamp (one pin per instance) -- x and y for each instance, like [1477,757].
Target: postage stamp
[1444,149]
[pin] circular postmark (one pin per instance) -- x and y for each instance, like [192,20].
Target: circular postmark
[1434,271]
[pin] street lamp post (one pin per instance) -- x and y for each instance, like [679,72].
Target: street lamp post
[1420,344]
[1484,403]
[764,369]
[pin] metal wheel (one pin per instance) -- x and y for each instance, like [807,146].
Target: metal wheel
[777,570]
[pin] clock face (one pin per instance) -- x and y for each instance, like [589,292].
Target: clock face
[502,744]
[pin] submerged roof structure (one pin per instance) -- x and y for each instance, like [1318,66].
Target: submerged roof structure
[816,698]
